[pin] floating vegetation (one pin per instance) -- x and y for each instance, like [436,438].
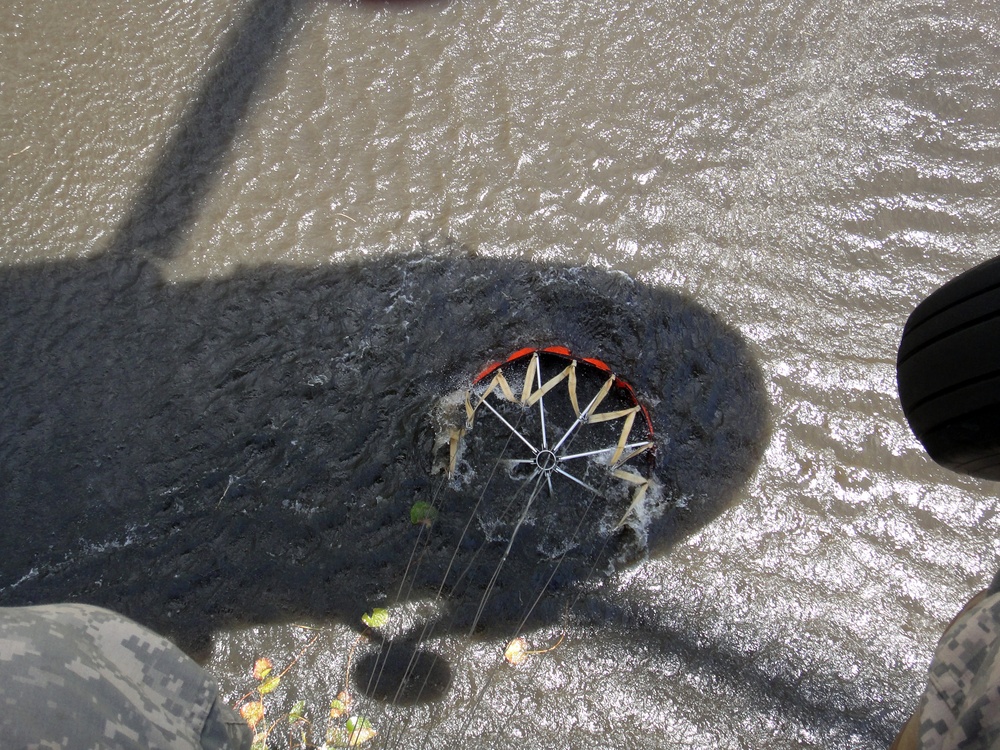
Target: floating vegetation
[517,651]
[547,471]
[423,514]
[377,618]
[352,732]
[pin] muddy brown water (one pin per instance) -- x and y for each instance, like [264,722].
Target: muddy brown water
[247,246]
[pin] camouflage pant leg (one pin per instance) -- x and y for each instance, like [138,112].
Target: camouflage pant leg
[224,729]
[961,706]
[75,676]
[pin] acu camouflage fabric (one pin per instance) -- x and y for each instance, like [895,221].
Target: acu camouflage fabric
[961,706]
[75,676]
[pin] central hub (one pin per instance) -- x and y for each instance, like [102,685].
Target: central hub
[546,460]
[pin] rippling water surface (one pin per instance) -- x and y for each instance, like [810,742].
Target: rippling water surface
[246,247]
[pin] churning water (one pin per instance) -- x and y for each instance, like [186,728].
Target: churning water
[247,247]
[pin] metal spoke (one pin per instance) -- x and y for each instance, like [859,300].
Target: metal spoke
[611,449]
[541,404]
[580,419]
[578,481]
[525,440]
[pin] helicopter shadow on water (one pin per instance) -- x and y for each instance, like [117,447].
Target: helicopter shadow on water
[216,454]
[205,455]
[208,454]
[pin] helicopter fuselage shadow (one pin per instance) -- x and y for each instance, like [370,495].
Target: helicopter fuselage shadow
[206,455]
[246,450]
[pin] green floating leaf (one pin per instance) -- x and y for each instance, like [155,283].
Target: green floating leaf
[298,712]
[356,723]
[423,513]
[269,685]
[360,730]
[376,619]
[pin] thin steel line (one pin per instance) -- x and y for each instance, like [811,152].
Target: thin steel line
[506,552]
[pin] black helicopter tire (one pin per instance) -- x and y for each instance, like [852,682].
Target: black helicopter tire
[948,372]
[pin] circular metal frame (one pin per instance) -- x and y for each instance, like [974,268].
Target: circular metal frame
[564,419]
